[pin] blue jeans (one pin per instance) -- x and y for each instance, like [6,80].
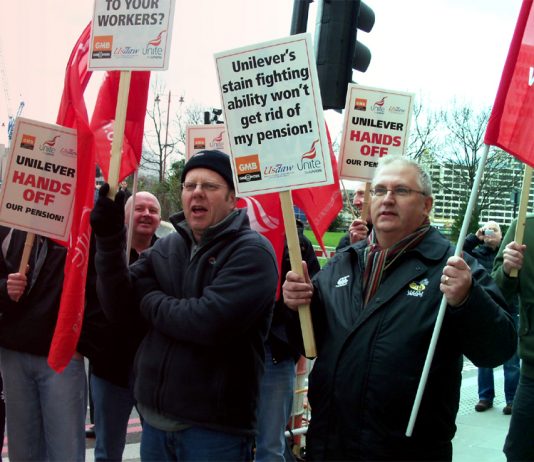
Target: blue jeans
[193,444]
[274,409]
[519,444]
[486,388]
[112,407]
[45,411]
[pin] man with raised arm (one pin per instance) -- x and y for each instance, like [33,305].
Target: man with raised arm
[206,294]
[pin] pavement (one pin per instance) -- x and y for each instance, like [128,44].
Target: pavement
[480,435]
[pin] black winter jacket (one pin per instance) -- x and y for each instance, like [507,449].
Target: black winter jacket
[28,325]
[369,363]
[483,253]
[110,346]
[208,311]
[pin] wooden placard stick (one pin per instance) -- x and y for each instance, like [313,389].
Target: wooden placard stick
[295,257]
[28,244]
[521,218]
[118,132]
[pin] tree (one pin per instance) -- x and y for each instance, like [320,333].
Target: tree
[458,222]
[160,140]
[163,154]
[463,130]
[423,132]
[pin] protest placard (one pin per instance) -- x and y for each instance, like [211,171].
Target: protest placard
[131,34]
[201,137]
[38,190]
[376,124]
[273,113]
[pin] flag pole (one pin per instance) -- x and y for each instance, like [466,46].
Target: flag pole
[523,205]
[295,257]
[118,132]
[441,313]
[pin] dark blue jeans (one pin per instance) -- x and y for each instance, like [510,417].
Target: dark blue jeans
[519,444]
[486,388]
[274,409]
[112,407]
[193,444]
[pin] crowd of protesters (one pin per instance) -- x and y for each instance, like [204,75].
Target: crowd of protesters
[196,307]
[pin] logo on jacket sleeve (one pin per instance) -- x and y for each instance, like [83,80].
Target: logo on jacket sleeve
[416,289]
[343,281]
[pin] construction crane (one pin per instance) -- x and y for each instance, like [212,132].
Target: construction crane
[11,121]
[5,84]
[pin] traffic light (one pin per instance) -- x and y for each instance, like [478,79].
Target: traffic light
[336,49]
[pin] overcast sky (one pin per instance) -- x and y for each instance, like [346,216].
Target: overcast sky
[440,50]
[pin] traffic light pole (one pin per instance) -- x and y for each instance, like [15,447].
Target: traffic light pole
[299,21]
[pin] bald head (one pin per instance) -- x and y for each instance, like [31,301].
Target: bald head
[147,214]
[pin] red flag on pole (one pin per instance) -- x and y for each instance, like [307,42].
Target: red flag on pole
[511,123]
[265,216]
[103,121]
[94,141]
[73,113]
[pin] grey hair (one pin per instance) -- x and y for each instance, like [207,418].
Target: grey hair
[424,177]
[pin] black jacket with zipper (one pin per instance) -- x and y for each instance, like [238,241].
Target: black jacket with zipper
[208,309]
[369,360]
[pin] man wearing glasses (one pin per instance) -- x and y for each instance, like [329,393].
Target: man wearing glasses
[206,294]
[359,229]
[374,308]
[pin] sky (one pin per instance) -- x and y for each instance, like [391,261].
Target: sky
[441,50]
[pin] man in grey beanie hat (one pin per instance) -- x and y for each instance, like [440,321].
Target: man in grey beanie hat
[206,294]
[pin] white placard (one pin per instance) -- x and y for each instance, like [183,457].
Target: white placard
[201,137]
[274,116]
[376,124]
[40,181]
[131,35]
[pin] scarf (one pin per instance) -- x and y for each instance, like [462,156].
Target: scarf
[378,260]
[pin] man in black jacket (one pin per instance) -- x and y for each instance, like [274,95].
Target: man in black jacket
[374,307]
[484,246]
[359,229]
[111,347]
[45,411]
[206,294]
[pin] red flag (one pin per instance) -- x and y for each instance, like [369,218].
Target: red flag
[92,139]
[73,113]
[322,204]
[512,119]
[265,214]
[104,118]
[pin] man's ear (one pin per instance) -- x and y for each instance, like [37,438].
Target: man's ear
[429,201]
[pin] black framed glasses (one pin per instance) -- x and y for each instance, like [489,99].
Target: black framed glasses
[401,191]
[189,186]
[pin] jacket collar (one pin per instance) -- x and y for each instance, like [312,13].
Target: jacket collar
[433,246]
[233,222]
